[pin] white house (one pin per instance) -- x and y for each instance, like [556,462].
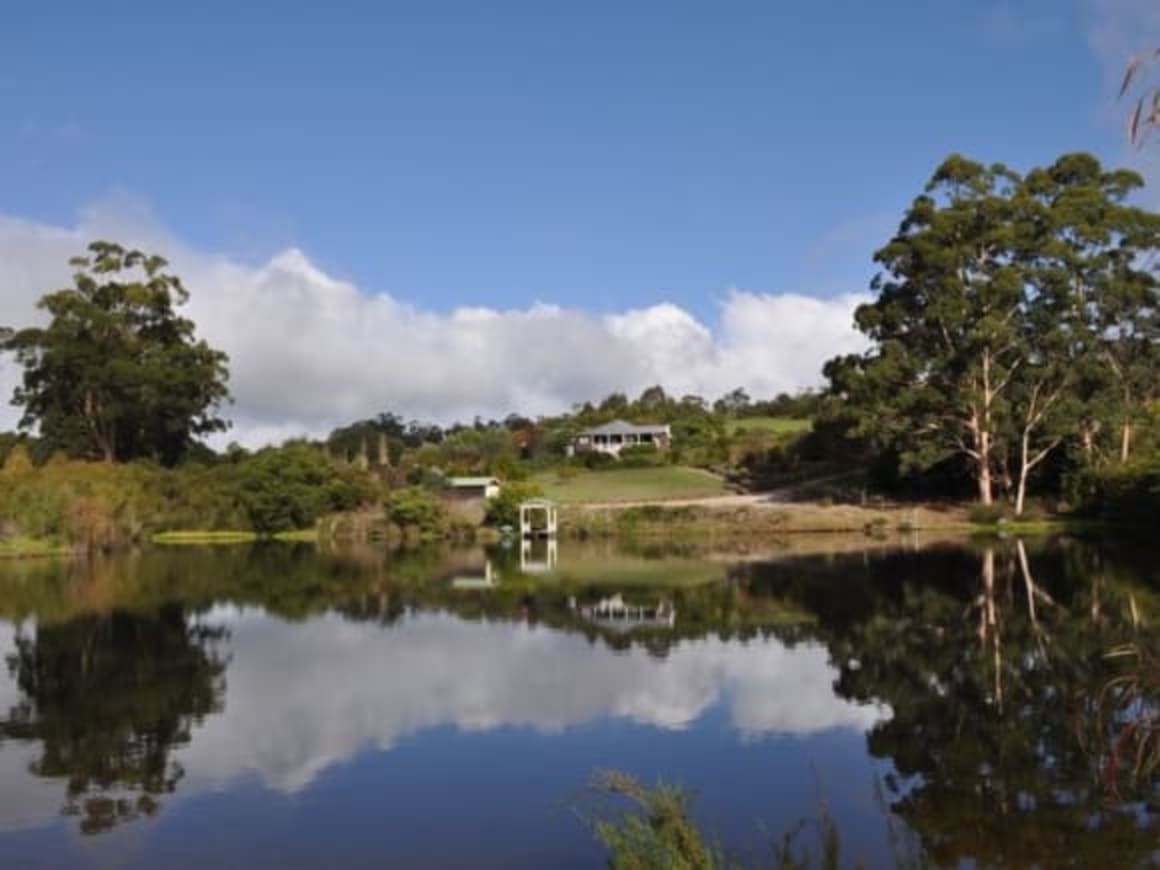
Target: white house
[613,437]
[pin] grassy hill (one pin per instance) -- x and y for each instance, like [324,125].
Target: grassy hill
[630,484]
[772,425]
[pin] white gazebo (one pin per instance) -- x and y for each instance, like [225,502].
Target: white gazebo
[528,510]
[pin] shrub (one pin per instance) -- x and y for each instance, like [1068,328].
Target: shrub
[504,509]
[594,460]
[415,507]
[101,506]
[1126,494]
[287,488]
[642,456]
[987,514]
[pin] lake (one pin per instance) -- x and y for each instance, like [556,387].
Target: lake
[285,707]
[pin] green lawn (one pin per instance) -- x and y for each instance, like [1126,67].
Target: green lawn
[21,547]
[630,484]
[197,537]
[773,425]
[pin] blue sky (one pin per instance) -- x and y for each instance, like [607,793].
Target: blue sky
[590,153]
[600,156]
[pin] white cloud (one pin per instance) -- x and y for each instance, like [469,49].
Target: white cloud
[25,800]
[309,351]
[286,717]
[303,697]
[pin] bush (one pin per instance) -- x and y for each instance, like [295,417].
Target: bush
[1126,494]
[103,506]
[415,507]
[594,460]
[642,456]
[281,489]
[504,509]
[987,514]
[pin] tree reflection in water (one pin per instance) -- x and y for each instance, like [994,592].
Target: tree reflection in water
[109,698]
[987,679]
[989,657]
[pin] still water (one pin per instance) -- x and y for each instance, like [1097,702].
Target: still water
[281,707]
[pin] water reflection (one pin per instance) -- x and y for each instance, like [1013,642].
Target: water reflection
[108,699]
[986,676]
[619,615]
[539,555]
[132,685]
[301,698]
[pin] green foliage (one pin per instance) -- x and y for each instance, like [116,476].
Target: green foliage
[1011,315]
[504,509]
[415,507]
[657,833]
[117,374]
[699,439]
[594,460]
[1126,495]
[653,828]
[642,456]
[291,487]
[781,426]
[110,699]
[105,506]
[631,484]
[987,514]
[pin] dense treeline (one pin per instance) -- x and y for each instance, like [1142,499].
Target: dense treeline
[1015,330]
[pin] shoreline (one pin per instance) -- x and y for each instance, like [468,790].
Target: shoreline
[733,524]
[765,519]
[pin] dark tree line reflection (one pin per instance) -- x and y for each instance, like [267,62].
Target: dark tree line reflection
[109,698]
[990,657]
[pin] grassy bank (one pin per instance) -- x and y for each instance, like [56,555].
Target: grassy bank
[204,537]
[728,524]
[22,547]
[630,485]
[198,537]
[782,426]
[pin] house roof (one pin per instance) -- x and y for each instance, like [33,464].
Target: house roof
[472,482]
[620,427]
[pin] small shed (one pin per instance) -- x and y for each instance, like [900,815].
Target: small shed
[474,487]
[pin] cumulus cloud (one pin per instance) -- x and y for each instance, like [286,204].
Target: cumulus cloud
[309,351]
[303,697]
[286,717]
[25,800]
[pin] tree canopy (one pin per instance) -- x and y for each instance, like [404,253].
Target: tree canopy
[117,373]
[1012,313]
